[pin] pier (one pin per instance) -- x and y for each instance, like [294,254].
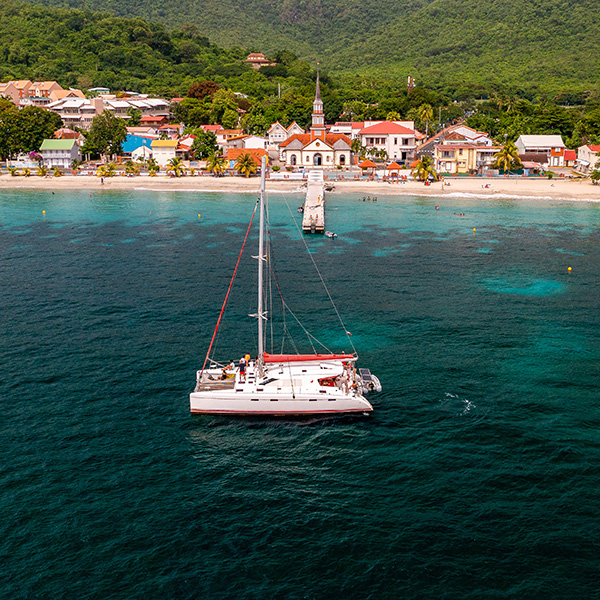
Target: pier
[313,220]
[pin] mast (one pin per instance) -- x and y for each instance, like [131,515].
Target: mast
[261,257]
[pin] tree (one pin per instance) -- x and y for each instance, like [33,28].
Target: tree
[175,166]
[595,176]
[230,119]
[153,167]
[507,157]
[135,117]
[425,113]
[201,89]
[216,164]
[106,135]
[424,169]
[205,144]
[23,131]
[223,100]
[245,165]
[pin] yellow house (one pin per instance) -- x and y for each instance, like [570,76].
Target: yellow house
[463,158]
[163,151]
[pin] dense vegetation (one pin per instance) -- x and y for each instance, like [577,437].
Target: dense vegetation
[87,49]
[541,46]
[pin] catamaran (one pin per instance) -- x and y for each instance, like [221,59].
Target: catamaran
[280,384]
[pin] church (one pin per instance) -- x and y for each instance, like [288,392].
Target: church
[317,148]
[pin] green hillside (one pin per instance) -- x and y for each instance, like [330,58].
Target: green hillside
[539,46]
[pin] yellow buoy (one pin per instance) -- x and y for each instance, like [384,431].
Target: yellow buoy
[570,269]
[43,212]
[198,216]
[474,229]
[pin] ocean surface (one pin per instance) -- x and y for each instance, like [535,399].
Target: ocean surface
[476,476]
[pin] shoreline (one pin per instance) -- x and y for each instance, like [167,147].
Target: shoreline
[500,188]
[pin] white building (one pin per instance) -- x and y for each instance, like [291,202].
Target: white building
[60,153]
[550,146]
[163,151]
[398,139]
[316,148]
[277,133]
[587,157]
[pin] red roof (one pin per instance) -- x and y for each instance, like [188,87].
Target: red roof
[386,127]
[307,138]
[255,153]
[393,166]
[594,148]
[367,164]
[570,155]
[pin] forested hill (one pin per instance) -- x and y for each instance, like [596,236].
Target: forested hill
[535,46]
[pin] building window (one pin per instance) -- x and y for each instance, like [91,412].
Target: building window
[395,141]
[342,159]
[293,160]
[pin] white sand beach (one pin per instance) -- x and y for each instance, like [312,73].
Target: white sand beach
[496,187]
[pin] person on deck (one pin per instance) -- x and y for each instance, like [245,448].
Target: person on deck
[242,367]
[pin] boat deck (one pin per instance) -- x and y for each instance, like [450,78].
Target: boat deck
[217,384]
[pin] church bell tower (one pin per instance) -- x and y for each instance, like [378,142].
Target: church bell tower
[318,118]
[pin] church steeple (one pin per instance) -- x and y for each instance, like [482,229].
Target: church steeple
[318,118]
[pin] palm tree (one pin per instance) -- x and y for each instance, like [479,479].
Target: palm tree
[175,166]
[425,113]
[13,171]
[216,164]
[393,116]
[102,171]
[245,165]
[424,169]
[26,172]
[507,157]
[153,167]
[131,168]
[56,172]
[42,171]
[111,170]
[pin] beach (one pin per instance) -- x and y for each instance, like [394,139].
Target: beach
[499,187]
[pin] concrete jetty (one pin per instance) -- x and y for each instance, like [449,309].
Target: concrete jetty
[313,220]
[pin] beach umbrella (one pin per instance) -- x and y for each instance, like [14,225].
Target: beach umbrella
[367,164]
[394,167]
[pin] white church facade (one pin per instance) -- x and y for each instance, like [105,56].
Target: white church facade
[317,148]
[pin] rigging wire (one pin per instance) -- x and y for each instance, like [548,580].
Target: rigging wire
[321,278]
[228,290]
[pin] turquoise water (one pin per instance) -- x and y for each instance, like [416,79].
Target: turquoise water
[477,476]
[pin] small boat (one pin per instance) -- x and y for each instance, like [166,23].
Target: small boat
[301,209]
[330,234]
[281,384]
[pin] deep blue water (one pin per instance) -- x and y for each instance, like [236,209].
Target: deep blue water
[477,475]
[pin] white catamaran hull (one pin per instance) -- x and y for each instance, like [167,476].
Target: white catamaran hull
[309,388]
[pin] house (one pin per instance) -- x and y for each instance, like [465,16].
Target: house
[317,148]
[461,158]
[9,90]
[350,129]
[587,158]
[570,158]
[134,142]
[256,153]
[43,89]
[223,136]
[277,133]
[549,147]
[143,153]
[247,141]
[257,60]
[397,140]
[60,153]
[458,132]
[163,151]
